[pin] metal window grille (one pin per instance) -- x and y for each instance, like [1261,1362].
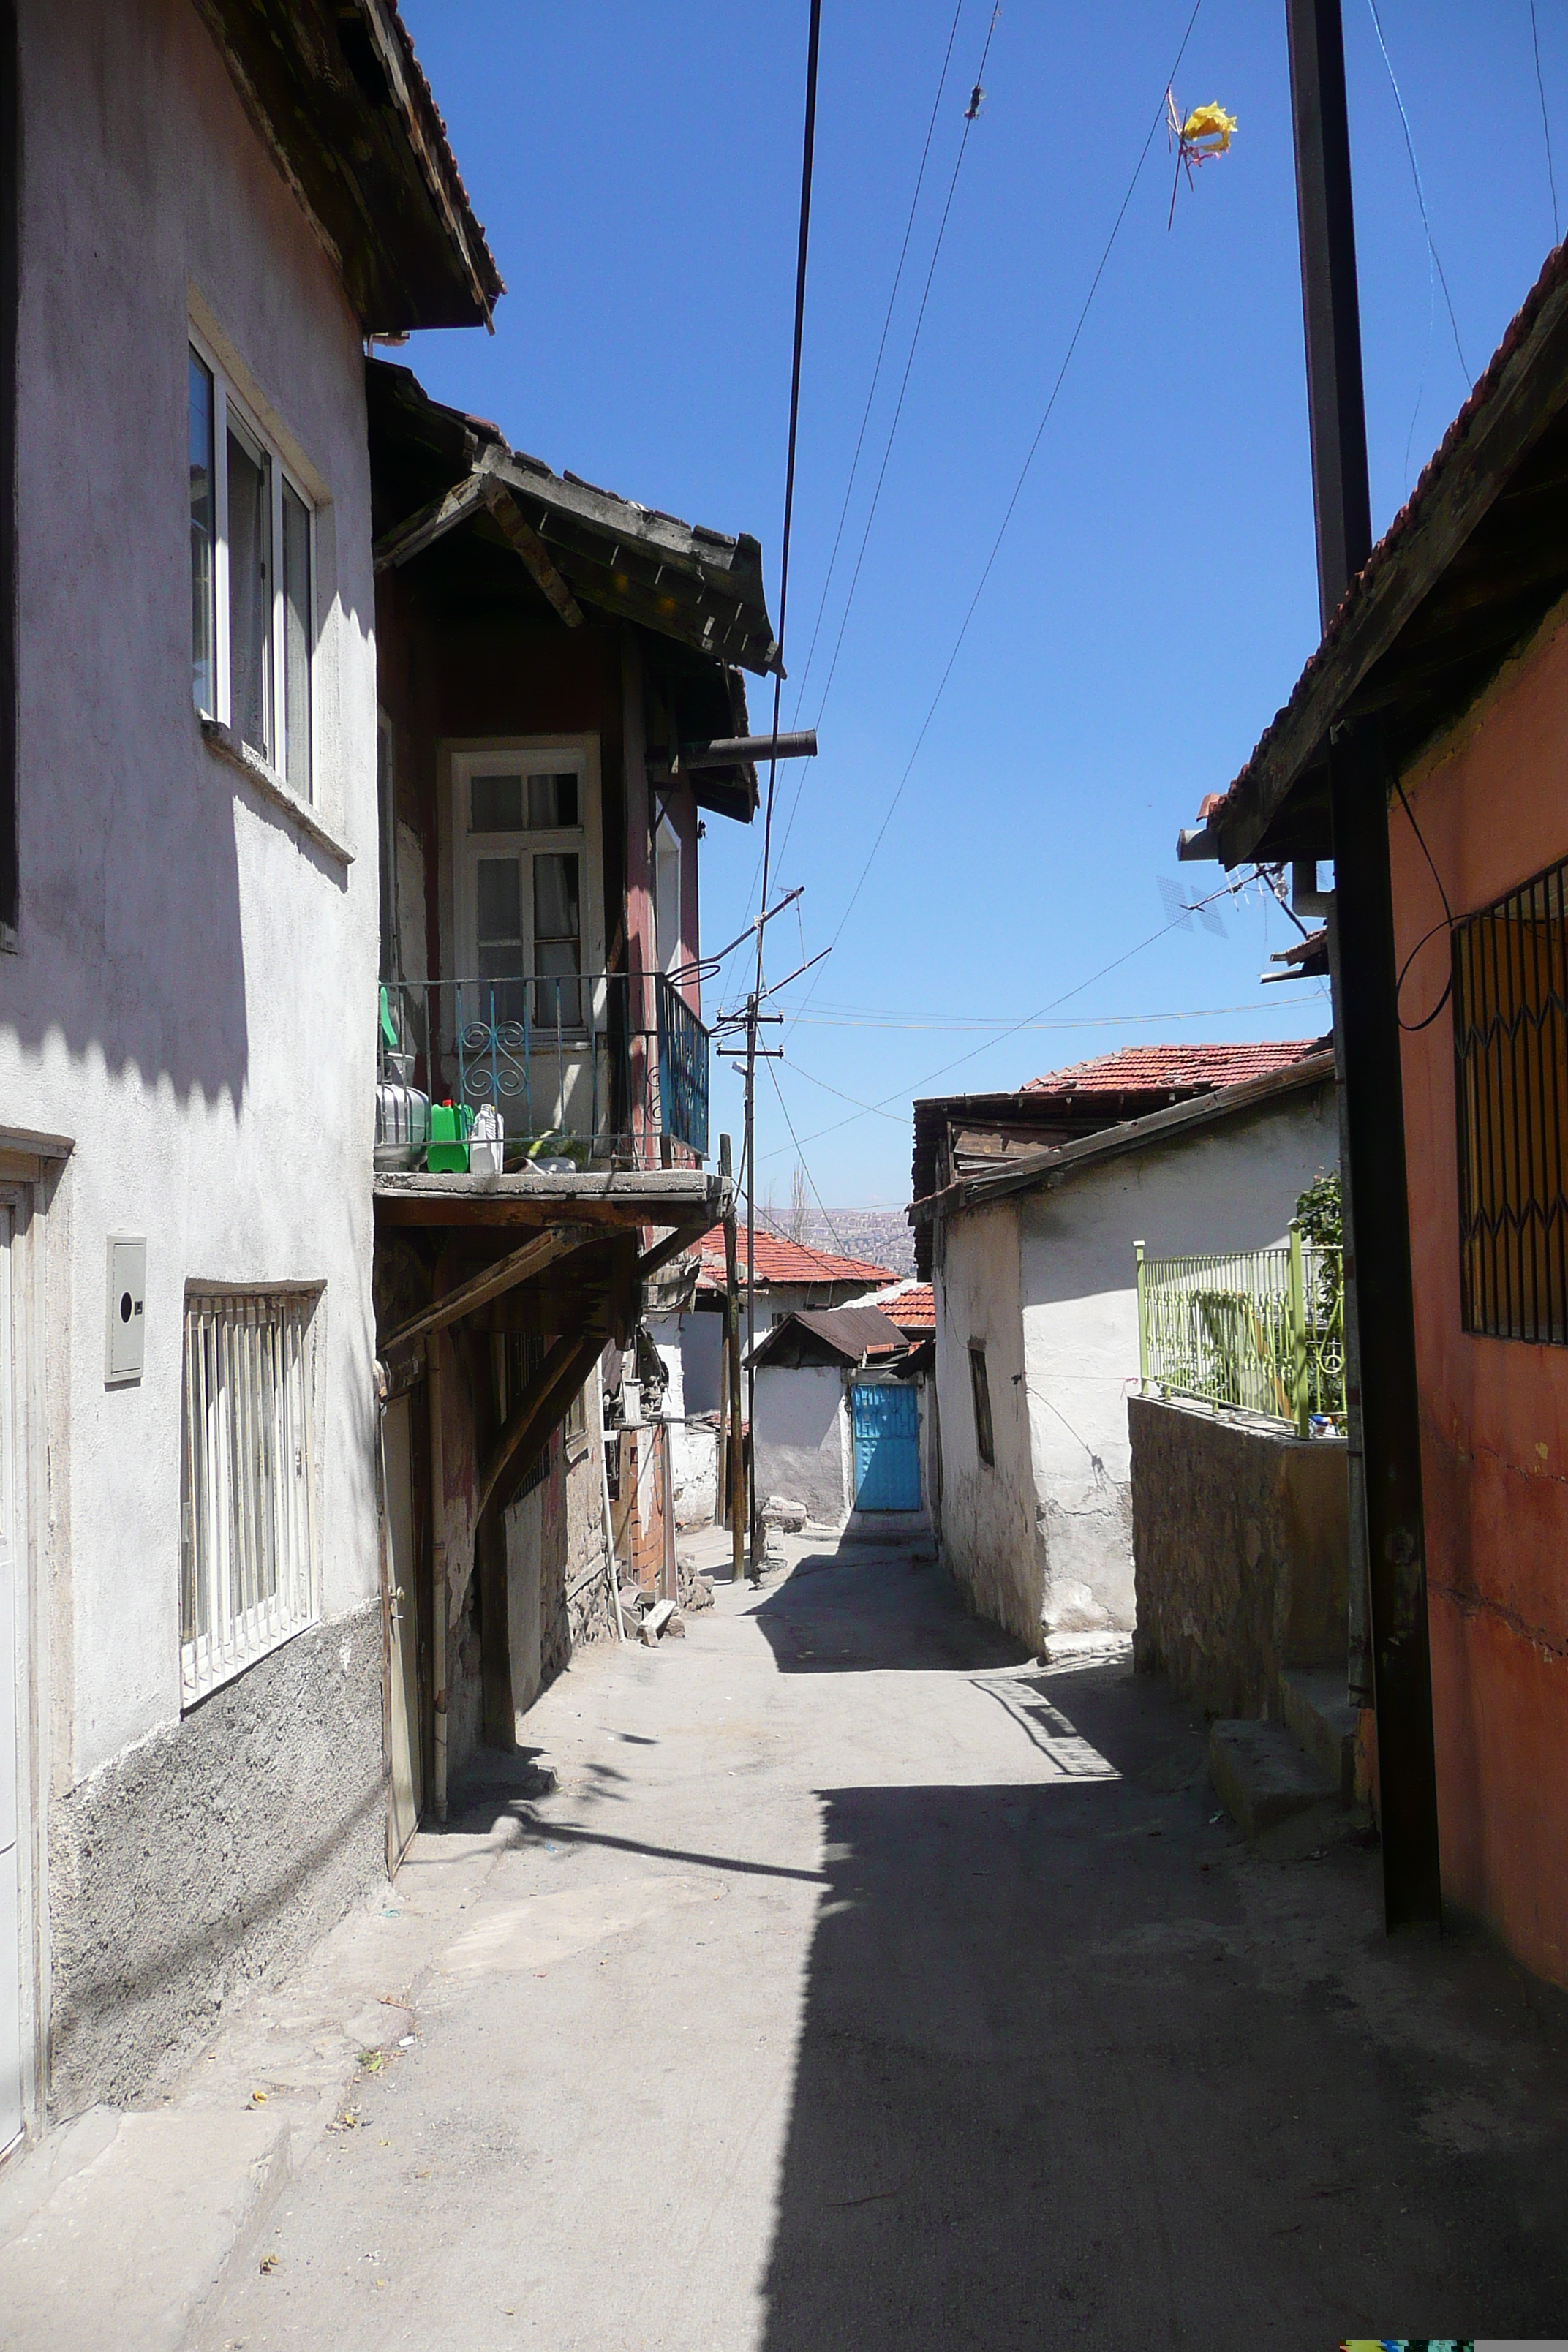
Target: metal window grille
[248,1547]
[1511,1050]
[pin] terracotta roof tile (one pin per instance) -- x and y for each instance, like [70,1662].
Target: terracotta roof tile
[911,1304]
[780,1261]
[1164,1069]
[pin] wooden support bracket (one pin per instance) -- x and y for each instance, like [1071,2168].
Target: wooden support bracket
[517,1266]
[536,1413]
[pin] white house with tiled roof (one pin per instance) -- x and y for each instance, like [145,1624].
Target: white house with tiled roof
[1035,1308]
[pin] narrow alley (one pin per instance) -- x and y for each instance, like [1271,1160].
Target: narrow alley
[863,1984]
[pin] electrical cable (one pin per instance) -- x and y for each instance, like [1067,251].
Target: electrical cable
[1420,192]
[1229,890]
[1545,124]
[1158,119]
[969,121]
[876,370]
[1413,1028]
[802,1158]
[866,416]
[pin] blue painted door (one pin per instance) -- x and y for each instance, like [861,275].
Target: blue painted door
[887,1422]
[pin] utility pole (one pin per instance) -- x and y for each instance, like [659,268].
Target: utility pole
[1366,995]
[735,1467]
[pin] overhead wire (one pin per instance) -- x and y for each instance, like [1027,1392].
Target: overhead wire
[866,415]
[801,1159]
[969,118]
[1434,254]
[1545,124]
[900,1094]
[1158,119]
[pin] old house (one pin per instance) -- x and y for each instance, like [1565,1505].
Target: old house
[561,713]
[1444,670]
[203,211]
[840,1423]
[1035,1276]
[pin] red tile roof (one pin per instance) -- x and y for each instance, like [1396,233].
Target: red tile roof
[1173,1069]
[911,1304]
[778,1261]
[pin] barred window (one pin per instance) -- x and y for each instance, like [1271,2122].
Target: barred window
[1511,1041]
[247,1539]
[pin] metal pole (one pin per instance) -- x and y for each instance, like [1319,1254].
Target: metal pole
[750,1150]
[1300,1399]
[1366,1003]
[735,1467]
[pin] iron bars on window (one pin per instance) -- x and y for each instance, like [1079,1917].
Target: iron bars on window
[1510,1054]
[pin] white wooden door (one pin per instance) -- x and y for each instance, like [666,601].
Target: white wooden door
[10,1859]
[404,1662]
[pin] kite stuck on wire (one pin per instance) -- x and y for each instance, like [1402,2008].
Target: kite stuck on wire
[1206,132]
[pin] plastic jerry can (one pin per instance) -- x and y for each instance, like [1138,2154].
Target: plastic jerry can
[486,1144]
[448,1150]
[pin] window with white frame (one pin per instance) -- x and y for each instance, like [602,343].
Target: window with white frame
[247,1571]
[524,882]
[253,628]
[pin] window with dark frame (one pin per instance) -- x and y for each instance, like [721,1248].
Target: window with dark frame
[524,1362]
[1510,1054]
[982,1391]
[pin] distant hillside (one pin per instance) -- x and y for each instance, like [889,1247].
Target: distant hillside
[879,1235]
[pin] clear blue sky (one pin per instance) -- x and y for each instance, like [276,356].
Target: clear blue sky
[637,165]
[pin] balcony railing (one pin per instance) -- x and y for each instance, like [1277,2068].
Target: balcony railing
[590,1066]
[1262,1330]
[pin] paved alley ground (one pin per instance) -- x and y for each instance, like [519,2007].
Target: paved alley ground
[863,1987]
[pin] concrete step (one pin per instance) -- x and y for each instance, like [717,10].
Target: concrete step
[125,2229]
[1316,1706]
[1281,1801]
[910,1530]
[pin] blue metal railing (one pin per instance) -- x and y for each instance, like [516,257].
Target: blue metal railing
[581,1066]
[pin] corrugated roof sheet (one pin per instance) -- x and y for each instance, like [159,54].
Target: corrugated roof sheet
[851,1332]
[780,1261]
[1158,1070]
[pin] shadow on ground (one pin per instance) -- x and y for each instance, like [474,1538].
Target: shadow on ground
[870,1607]
[1074,2069]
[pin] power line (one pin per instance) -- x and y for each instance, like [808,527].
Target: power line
[1420,191]
[850,1016]
[969,120]
[866,416]
[802,1158]
[1229,889]
[808,143]
[1158,119]
[1545,123]
[876,370]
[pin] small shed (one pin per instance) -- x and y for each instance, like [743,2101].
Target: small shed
[839,1419]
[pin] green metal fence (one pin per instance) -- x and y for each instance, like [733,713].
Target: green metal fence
[1261,1329]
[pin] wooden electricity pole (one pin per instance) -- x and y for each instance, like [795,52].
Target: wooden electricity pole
[735,1470]
[1366,1003]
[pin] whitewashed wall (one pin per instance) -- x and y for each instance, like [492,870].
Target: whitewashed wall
[1049,1534]
[802,1437]
[192,1004]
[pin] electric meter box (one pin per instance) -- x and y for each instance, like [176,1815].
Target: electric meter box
[127,1294]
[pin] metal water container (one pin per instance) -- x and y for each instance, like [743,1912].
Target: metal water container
[402,1114]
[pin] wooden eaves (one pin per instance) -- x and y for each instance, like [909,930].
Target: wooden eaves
[1056,1164]
[336,94]
[1462,578]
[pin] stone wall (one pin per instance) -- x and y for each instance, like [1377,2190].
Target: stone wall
[1239,1545]
[213,1854]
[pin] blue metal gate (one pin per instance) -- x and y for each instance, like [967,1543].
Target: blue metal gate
[887,1422]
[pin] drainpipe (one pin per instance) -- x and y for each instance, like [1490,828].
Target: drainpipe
[438,1568]
[1366,1006]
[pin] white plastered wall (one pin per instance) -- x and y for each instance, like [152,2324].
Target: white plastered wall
[1230,1187]
[188,1006]
[803,1439]
[988,1521]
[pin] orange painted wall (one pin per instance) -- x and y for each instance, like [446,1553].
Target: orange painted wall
[1493,806]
